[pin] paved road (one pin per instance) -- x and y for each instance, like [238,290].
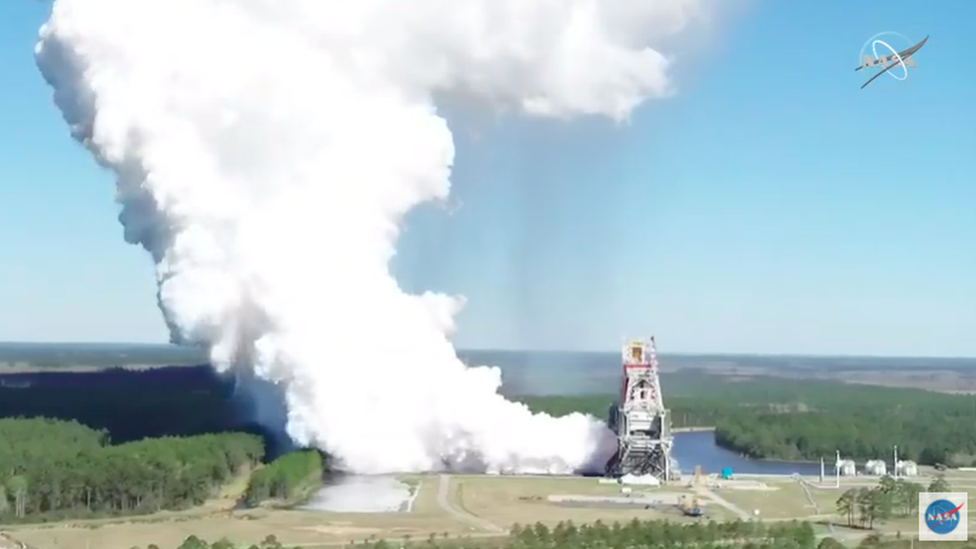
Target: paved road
[728,505]
[442,499]
[816,508]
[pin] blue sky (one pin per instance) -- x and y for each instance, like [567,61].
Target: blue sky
[770,207]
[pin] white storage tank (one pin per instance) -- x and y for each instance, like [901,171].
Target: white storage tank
[906,468]
[846,467]
[876,467]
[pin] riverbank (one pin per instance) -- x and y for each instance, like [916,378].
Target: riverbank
[742,455]
[698,448]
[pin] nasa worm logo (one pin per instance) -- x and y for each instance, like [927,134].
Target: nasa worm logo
[880,53]
[943,516]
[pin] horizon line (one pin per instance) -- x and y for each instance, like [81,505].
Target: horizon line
[689,354]
[739,354]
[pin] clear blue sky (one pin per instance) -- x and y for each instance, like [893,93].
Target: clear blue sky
[771,207]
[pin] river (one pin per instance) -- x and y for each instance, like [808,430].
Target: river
[699,448]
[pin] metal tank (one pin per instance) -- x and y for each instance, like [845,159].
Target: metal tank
[906,468]
[876,467]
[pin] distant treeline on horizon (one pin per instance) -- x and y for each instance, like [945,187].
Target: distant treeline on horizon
[98,354]
[514,364]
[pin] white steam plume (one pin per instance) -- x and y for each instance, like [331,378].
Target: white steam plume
[266,151]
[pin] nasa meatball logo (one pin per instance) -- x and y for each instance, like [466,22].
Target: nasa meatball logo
[943,516]
[889,53]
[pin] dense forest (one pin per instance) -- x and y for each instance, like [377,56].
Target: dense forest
[288,478]
[134,404]
[53,469]
[809,419]
[685,411]
[121,442]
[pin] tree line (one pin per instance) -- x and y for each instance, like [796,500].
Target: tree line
[132,404]
[777,418]
[598,535]
[651,535]
[928,428]
[863,507]
[288,478]
[52,469]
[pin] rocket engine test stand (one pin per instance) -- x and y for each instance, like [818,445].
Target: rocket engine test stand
[640,420]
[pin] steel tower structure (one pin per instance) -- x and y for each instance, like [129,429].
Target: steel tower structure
[640,420]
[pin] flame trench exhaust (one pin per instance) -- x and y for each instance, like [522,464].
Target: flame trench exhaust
[265,153]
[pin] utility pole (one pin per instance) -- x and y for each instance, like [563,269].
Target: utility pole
[894,464]
[837,470]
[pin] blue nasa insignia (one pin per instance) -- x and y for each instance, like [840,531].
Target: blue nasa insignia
[942,516]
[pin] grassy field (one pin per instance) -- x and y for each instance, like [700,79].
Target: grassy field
[213,521]
[789,501]
[502,501]
[498,501]
[783,500]
[505,501]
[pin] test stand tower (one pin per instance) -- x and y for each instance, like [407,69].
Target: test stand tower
[640,420]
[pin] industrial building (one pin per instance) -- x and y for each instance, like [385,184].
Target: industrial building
[639,418]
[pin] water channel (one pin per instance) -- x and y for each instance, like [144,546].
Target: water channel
[699,448]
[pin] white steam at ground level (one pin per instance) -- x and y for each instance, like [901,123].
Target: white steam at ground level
[265,153]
